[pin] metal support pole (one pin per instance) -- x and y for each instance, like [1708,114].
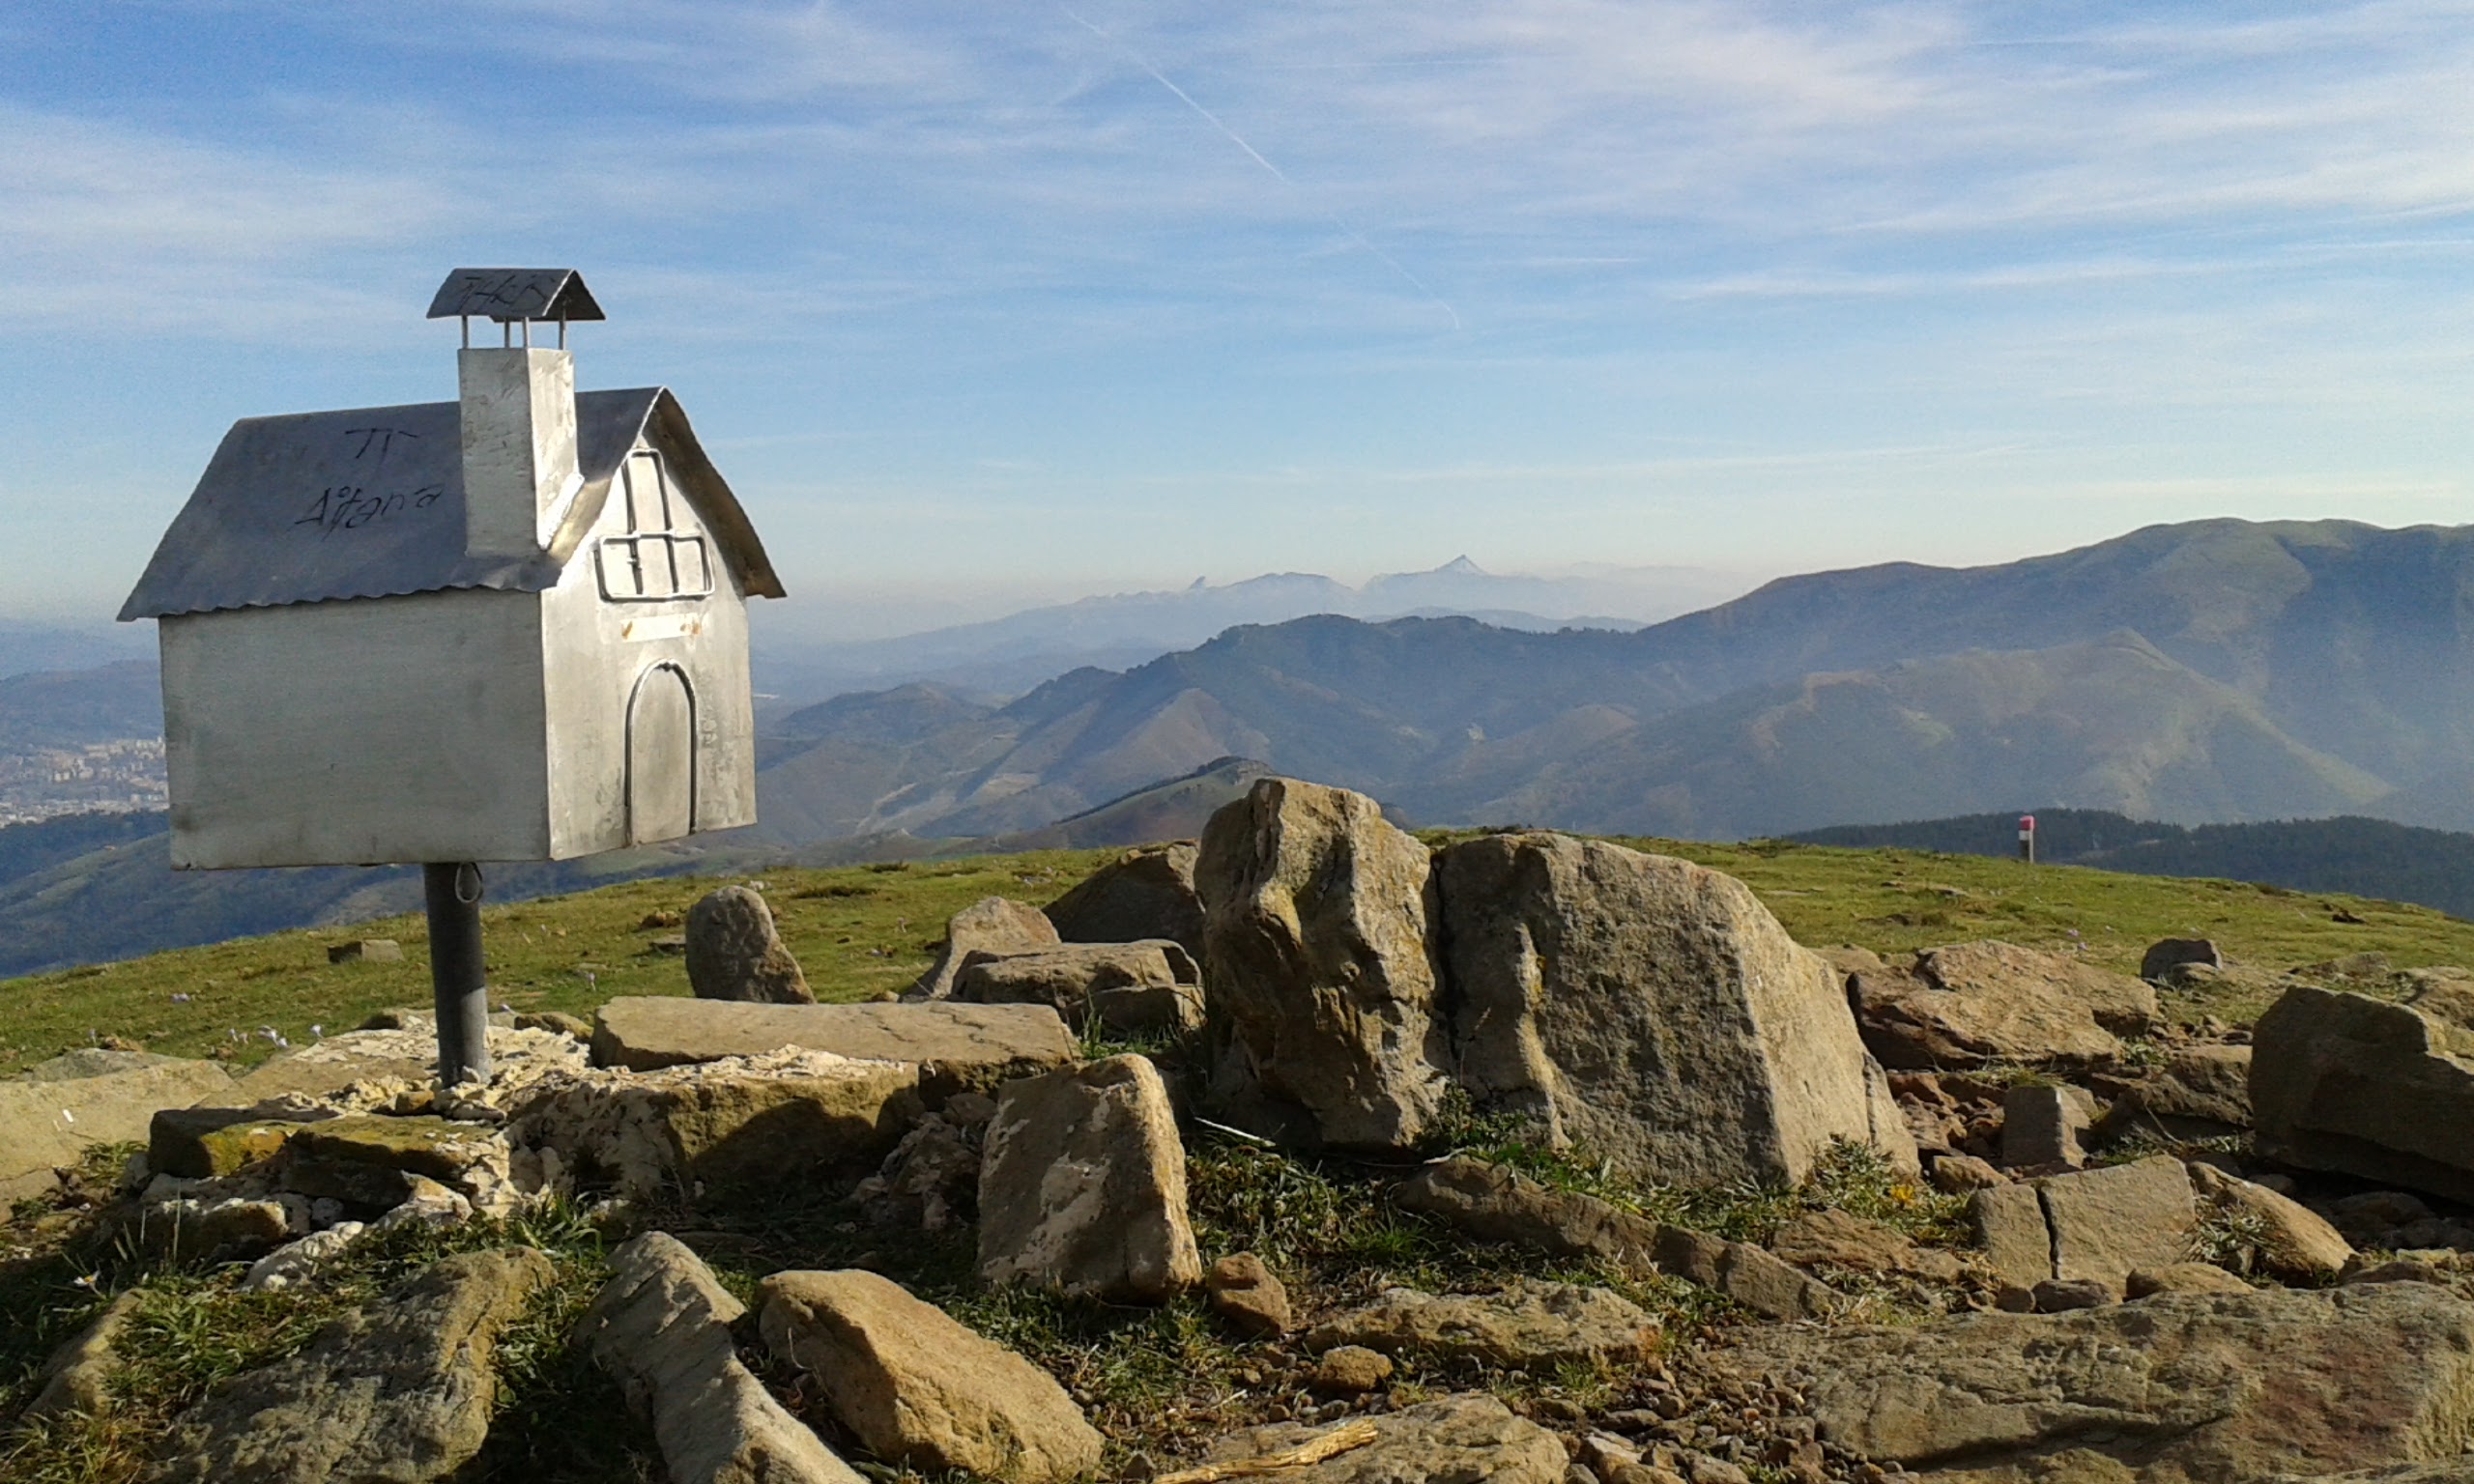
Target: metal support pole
[453,892]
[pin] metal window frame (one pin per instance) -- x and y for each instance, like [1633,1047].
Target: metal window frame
[634,542]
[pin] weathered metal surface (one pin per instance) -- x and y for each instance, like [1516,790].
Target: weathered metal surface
[509,294]
[370,503]
[457,726]
[358,733]
[619,782]
[518,407]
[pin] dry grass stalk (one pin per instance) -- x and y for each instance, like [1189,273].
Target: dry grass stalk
[1314,1450]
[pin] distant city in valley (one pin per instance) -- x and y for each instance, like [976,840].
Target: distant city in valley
[121,775]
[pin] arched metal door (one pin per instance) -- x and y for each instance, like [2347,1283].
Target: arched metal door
[661,757]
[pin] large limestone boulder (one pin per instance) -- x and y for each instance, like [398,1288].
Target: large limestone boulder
[1454,1437]
[992,924]
[401,1392]
[742,1121]
[2343,1082]
[1133,987]
[736,953]
[1082,1185]
[661,1325]
[1321,990]
[1651,1012]
[958,1045]
[1973,1003]
[1530,1326]
[2199,1388]
[54,1111]
[919,1389]
[1145,893]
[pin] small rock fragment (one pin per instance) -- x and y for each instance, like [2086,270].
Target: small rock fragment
[1248,1295]
[1351,1369]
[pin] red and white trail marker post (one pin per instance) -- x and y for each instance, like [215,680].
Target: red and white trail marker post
[2028,839]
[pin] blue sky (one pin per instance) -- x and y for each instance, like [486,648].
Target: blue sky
[982,301]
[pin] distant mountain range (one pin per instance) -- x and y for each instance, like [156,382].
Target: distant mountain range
[1007,656]
[26,647]
[2217,670]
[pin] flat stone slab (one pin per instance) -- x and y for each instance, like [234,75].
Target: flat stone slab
[2193,1388]
[400,1392]
[50,1118]
[972,1043]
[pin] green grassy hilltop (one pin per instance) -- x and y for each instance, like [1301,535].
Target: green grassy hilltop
[861,931]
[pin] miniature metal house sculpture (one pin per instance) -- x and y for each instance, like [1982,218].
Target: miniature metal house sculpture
[511,627]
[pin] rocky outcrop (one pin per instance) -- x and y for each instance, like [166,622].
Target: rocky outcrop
[76,1376]
[1132,987]
[2166,955]
[400,1393]
[2093,1226]
[2343,1082]
[993,925]
[1973,1003]
[395,1053]
[1530,1326]
[931,1181]
[2194,1389]
[1652,1013]
[735,1124]
[2046,1125]
[736,953]
[1322,993]
[1454,1437]
[1082,1185]
[661,1325]
[56,1110]
[1496,1204]
[2201,1092]
[371,1163]
[955,1045]
[2287,1239]
[918,1389]
[1765,1284]
[1145,893]
[203,1142]
[1851,1244]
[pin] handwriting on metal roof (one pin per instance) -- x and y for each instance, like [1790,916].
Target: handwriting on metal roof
[511,293]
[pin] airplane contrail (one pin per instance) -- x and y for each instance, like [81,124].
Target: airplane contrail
[1256,155]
